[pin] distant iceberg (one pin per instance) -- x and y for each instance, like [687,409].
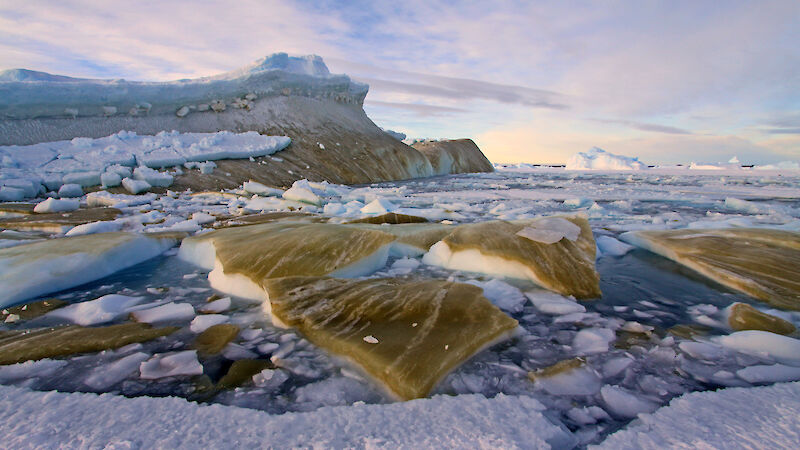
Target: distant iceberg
[598,159]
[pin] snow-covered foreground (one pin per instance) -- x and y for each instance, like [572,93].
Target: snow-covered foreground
[705,419]
[657,332]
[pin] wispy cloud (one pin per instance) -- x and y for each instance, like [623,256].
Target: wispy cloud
[436,65]
[420,109]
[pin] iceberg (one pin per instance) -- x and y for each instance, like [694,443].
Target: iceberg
[598,159]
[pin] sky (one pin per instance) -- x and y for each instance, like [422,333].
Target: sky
[529,81]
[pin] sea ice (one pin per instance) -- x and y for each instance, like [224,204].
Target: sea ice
[31,270]
[107,375]
[52,205]
[93,312]
[784,349]
[165,313]
[624,404]
[590,341]
[205,321]
[170,365]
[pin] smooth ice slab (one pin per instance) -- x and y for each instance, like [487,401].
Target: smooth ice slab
[763,263]
[31,270]
[243,256]
[407,335]
[496,248]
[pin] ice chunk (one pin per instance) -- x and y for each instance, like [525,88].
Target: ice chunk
[153,177]
[494,248]
[769,374]
[70,190]
[217,306]
[165,313]
[783,349]
[550,303]
[301,191]
[31,270]
[100,310]
[378,206]
[741,316]
[763,263]
[171,365]
[30,369]
[135,186]
[501,294]
[52,205]
[254,187]
[110,179]
[371,322]
[105,376]
[103,198]
[568,377]
[203,322]
[549,230]
[609,246]
[96,227]
[589,341]
[624,404]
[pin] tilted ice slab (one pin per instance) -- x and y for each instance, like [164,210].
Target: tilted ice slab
[761,262]
[407,335]
[89,161]
[516,250]
[763,417]
[44,419]
[241,257]
[28,271]
[599,159]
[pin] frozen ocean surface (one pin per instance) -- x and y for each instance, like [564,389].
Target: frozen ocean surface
[625,352]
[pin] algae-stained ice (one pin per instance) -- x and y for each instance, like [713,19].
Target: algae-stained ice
[456,229]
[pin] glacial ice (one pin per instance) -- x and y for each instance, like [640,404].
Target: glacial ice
[599,159]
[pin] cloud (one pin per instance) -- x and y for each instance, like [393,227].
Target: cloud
[420,109]
[645,126]
[782,130]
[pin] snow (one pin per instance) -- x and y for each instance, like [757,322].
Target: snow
[52,205]
[97,311]
[37,419]
[599,159]
[783,349]
[763,417]
[203,322]
[170,365]
[28,271]
[165,313]
[590,341]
